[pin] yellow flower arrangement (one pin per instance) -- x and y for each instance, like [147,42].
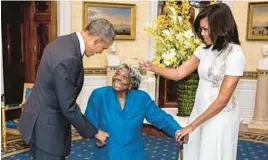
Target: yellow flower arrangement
[175,40]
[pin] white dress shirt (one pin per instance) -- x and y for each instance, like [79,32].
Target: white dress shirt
[81,42]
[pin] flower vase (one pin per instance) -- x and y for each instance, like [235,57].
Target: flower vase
[186,89]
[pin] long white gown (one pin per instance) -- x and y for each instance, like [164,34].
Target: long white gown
[217,138]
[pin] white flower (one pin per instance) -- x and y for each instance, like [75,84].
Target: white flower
[174,18]
[180,18]
[174,14]
[186,44]
[172,53]
[166,32]
[189,33]
[169,54]
[173,11]
[165,56]
[166,62]
[179,36]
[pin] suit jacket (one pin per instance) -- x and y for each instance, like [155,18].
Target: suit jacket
[125,126]
[51,107]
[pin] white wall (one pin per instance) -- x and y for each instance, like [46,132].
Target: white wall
[64,17]
[245,94]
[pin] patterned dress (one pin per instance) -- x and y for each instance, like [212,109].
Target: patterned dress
[216,139]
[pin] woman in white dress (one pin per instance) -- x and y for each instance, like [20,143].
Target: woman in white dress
[212,132]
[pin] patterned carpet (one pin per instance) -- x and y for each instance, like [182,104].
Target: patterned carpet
[250,147]
[254,137]
[16,146]
[155,148]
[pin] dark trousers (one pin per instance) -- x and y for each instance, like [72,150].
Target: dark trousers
[39,154]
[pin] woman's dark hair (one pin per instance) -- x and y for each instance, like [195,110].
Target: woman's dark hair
[222,26]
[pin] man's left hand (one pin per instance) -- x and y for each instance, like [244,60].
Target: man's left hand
[102,136]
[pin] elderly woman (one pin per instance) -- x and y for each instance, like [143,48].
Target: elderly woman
[120,110]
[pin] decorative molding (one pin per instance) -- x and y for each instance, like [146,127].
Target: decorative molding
[250,75]
[262,71]
[95,71]
[103,71]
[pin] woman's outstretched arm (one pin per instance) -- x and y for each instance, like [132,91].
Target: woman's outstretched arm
[174,74]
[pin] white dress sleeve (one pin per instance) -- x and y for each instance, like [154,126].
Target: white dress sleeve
[200,51]
[235,64]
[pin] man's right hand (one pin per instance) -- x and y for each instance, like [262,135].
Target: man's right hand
[102,136]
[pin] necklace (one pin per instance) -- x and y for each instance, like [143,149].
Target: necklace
[122,95]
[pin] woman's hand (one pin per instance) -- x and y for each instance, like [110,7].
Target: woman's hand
[185,139]
[184,133]
[145,65]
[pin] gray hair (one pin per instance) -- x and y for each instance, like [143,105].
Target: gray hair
[134,73]
[102,28]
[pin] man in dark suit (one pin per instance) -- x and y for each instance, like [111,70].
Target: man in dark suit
[45,123]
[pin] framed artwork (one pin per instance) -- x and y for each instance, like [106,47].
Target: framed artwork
[122,16]
[257,26]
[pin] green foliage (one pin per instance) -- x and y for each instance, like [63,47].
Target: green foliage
[186,90]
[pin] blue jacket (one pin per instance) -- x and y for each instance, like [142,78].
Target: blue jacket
[125,126]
